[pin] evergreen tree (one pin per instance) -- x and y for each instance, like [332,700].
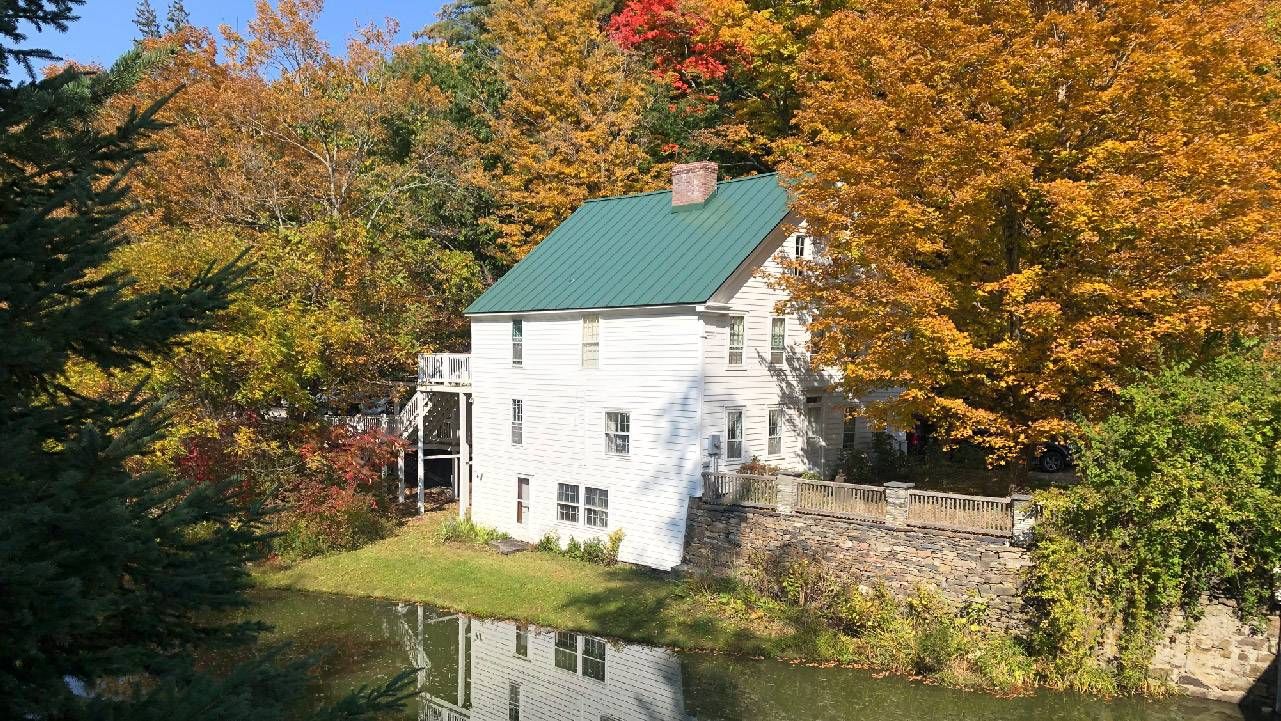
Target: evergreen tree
[177,18]
[144,18]
[105,574]
[16,16]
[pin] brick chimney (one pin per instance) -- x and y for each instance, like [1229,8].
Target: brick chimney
[693,183]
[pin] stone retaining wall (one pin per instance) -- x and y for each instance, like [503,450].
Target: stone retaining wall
[720,540]
[1219,658]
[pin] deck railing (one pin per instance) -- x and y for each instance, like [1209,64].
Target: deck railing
[954,512]
[733,489]
[453,369]
[894,504]
[841,499]
[407,418]
[362,423]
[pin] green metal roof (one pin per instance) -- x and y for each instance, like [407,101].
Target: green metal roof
[635,250]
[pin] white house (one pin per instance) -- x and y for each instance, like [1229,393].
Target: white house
[637,346]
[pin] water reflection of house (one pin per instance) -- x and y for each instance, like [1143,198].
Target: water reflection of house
[498,670]
[439,646]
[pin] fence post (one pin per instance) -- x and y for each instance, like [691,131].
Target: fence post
[896,502]
[1023,519]
[786,494]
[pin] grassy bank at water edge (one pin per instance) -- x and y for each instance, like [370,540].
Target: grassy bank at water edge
[624,602]
[920,636]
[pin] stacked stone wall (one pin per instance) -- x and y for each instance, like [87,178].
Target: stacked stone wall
[1219,658]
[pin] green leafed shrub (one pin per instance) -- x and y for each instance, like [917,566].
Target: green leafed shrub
[1003,663]
[1181,496]
[342,528]
[464,530]
[793,577]
[549,543]
[593,551]
[603,552]
[920,634]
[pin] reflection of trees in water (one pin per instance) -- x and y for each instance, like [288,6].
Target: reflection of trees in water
[468,666]
[717,688]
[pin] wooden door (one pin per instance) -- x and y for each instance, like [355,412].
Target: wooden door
[522,500]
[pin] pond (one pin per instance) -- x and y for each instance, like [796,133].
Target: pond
[490,670]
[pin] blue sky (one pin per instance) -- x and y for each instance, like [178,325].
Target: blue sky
[105,29]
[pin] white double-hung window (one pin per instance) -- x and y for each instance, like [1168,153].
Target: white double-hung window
[567,502]
[737,339]
[592,507]
[596,507]
[618,433]
[518,342]
[518,422]
[591,341]
[734,434]
[594,658]
[800,250]
[566,654]
[513,701]
[777,340]
[774,445]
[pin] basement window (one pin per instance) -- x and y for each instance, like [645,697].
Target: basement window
[567,651]
[594,658]
[774,446]
[734,434]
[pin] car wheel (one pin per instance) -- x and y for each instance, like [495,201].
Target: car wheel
[1052,461]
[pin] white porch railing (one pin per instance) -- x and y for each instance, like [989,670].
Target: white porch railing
[451,369]
[407,418]
[362,423]
[740,490]
[894,504]
[841,499]
[955,512]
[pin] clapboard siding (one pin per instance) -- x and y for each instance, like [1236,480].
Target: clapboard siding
[650,362]
[757,386]
[668,368]
[640,682]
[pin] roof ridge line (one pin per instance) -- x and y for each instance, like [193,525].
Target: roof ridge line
[668,190]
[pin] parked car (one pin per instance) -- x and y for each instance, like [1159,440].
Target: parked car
[1053,457]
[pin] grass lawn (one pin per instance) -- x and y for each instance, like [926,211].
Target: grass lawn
[623,602]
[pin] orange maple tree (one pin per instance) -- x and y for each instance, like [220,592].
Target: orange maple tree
[273,129]
[568,127]
[1025,206]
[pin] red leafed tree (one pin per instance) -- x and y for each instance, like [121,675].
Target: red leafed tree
[682,45]
[343,467]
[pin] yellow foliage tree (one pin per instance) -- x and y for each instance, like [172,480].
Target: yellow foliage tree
[1026,205]
[338,173]
[273,129]
[567,130]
